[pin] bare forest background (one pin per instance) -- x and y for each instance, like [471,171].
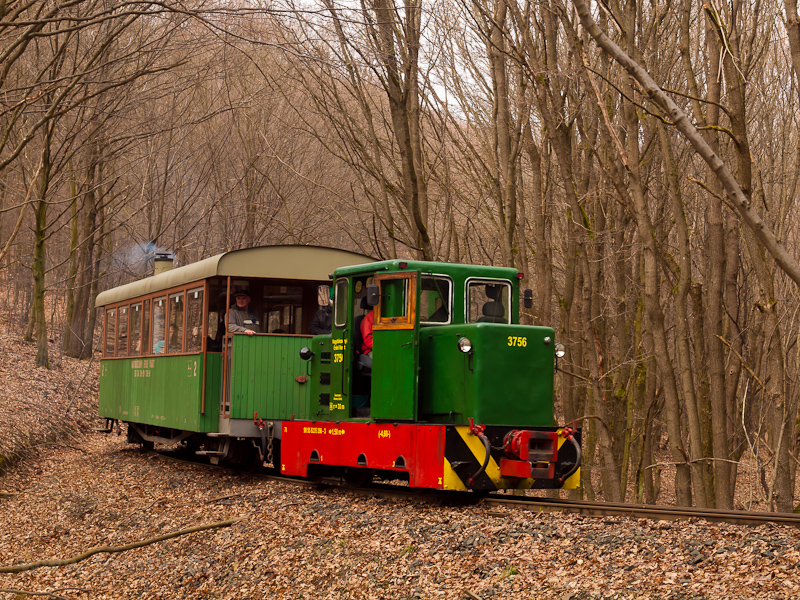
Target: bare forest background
[638,161]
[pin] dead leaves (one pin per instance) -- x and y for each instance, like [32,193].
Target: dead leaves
[94,490]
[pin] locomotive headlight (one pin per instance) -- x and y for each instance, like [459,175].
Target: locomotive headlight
[464,345]
[560,350]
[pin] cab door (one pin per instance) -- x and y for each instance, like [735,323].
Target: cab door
[336,403]
[395,347]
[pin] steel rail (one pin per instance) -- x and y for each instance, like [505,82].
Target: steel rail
[530,503]
[645,511]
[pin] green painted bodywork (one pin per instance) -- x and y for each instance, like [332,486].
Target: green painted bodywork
[501,383]
[166,391]
[264,369]
[419,374]
[319,366]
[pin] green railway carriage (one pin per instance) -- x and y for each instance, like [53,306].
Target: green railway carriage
[167,356]
[455,394]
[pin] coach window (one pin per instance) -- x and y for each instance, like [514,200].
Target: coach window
[435,301]
[159,324]
[122,331]
[489,301]
[135,329]
[340,303]
[111,331]
[145,339]
[194,320]
[283,305]
[175,340]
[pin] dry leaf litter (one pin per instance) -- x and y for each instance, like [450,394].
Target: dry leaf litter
[73,490]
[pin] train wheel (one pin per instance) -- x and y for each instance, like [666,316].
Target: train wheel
[357,477]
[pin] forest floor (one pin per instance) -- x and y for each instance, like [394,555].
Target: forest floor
[71,490]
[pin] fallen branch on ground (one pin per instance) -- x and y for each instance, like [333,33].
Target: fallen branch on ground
[114,549]
[50,594]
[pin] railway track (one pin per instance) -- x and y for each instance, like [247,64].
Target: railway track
[534,504]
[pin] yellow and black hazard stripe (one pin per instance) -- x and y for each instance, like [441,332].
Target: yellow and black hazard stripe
[464,454]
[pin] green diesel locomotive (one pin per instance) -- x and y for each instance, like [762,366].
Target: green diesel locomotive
[426,374]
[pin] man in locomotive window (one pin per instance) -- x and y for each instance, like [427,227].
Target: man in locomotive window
[241,319]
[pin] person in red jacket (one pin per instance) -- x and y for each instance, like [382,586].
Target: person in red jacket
[366,333]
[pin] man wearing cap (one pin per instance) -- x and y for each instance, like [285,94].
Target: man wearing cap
[241,318]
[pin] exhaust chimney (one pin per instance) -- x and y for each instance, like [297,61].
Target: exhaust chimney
[162,263]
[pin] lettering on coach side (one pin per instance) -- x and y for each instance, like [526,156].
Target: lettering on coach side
[385,434]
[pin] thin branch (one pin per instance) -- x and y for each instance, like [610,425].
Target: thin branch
[785,260]
[115,549]
[48,594]
[744,362]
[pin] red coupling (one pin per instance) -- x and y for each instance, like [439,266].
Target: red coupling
[476,429]
[512,443]
[258,422]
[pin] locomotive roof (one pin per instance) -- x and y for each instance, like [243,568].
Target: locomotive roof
[303,263]
[452,269]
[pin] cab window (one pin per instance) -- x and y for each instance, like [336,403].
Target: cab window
[397,307]
[393,298]
[340,303]
[436,300]
[489,301]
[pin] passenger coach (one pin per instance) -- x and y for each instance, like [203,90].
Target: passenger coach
[457,394]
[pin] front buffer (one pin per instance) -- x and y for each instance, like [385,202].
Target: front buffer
[438,456]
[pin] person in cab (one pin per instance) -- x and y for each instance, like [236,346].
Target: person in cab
[241,319]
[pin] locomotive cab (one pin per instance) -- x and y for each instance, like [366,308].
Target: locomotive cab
[383,386]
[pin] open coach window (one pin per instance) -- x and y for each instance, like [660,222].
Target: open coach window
[159,324]
[122,332]
[436,300]
[194,320]
[136,329]
[489,301]
[175,337]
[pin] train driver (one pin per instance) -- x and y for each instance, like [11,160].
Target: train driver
[366,333]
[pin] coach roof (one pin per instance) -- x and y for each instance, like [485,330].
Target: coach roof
[302,263]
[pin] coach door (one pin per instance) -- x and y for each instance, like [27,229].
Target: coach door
[395,340]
